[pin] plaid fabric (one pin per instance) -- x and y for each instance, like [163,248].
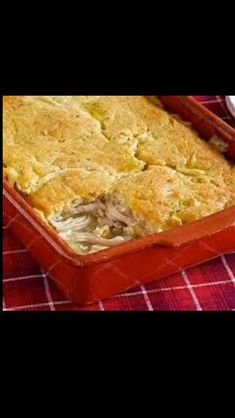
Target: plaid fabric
[210,286]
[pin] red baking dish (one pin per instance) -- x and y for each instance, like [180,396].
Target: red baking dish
[85,279]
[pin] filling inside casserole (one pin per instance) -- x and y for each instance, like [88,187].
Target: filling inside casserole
[92,227]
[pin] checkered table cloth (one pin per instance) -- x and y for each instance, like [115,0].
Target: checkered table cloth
[210,286]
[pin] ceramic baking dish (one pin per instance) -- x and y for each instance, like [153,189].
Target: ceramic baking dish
[87,278]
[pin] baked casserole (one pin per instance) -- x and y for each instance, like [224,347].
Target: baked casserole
[102,170]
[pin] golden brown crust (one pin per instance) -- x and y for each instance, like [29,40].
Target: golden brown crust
[166,198]
[59,149]
[70,186]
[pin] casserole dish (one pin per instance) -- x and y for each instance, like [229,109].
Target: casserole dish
[91,277]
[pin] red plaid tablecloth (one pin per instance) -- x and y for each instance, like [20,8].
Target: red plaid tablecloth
[210,286]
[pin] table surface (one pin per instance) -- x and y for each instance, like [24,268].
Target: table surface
[210,286]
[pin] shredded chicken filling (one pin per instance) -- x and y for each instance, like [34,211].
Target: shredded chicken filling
[89,228]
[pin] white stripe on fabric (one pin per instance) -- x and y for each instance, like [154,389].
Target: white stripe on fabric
[146,298]
[47,290]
